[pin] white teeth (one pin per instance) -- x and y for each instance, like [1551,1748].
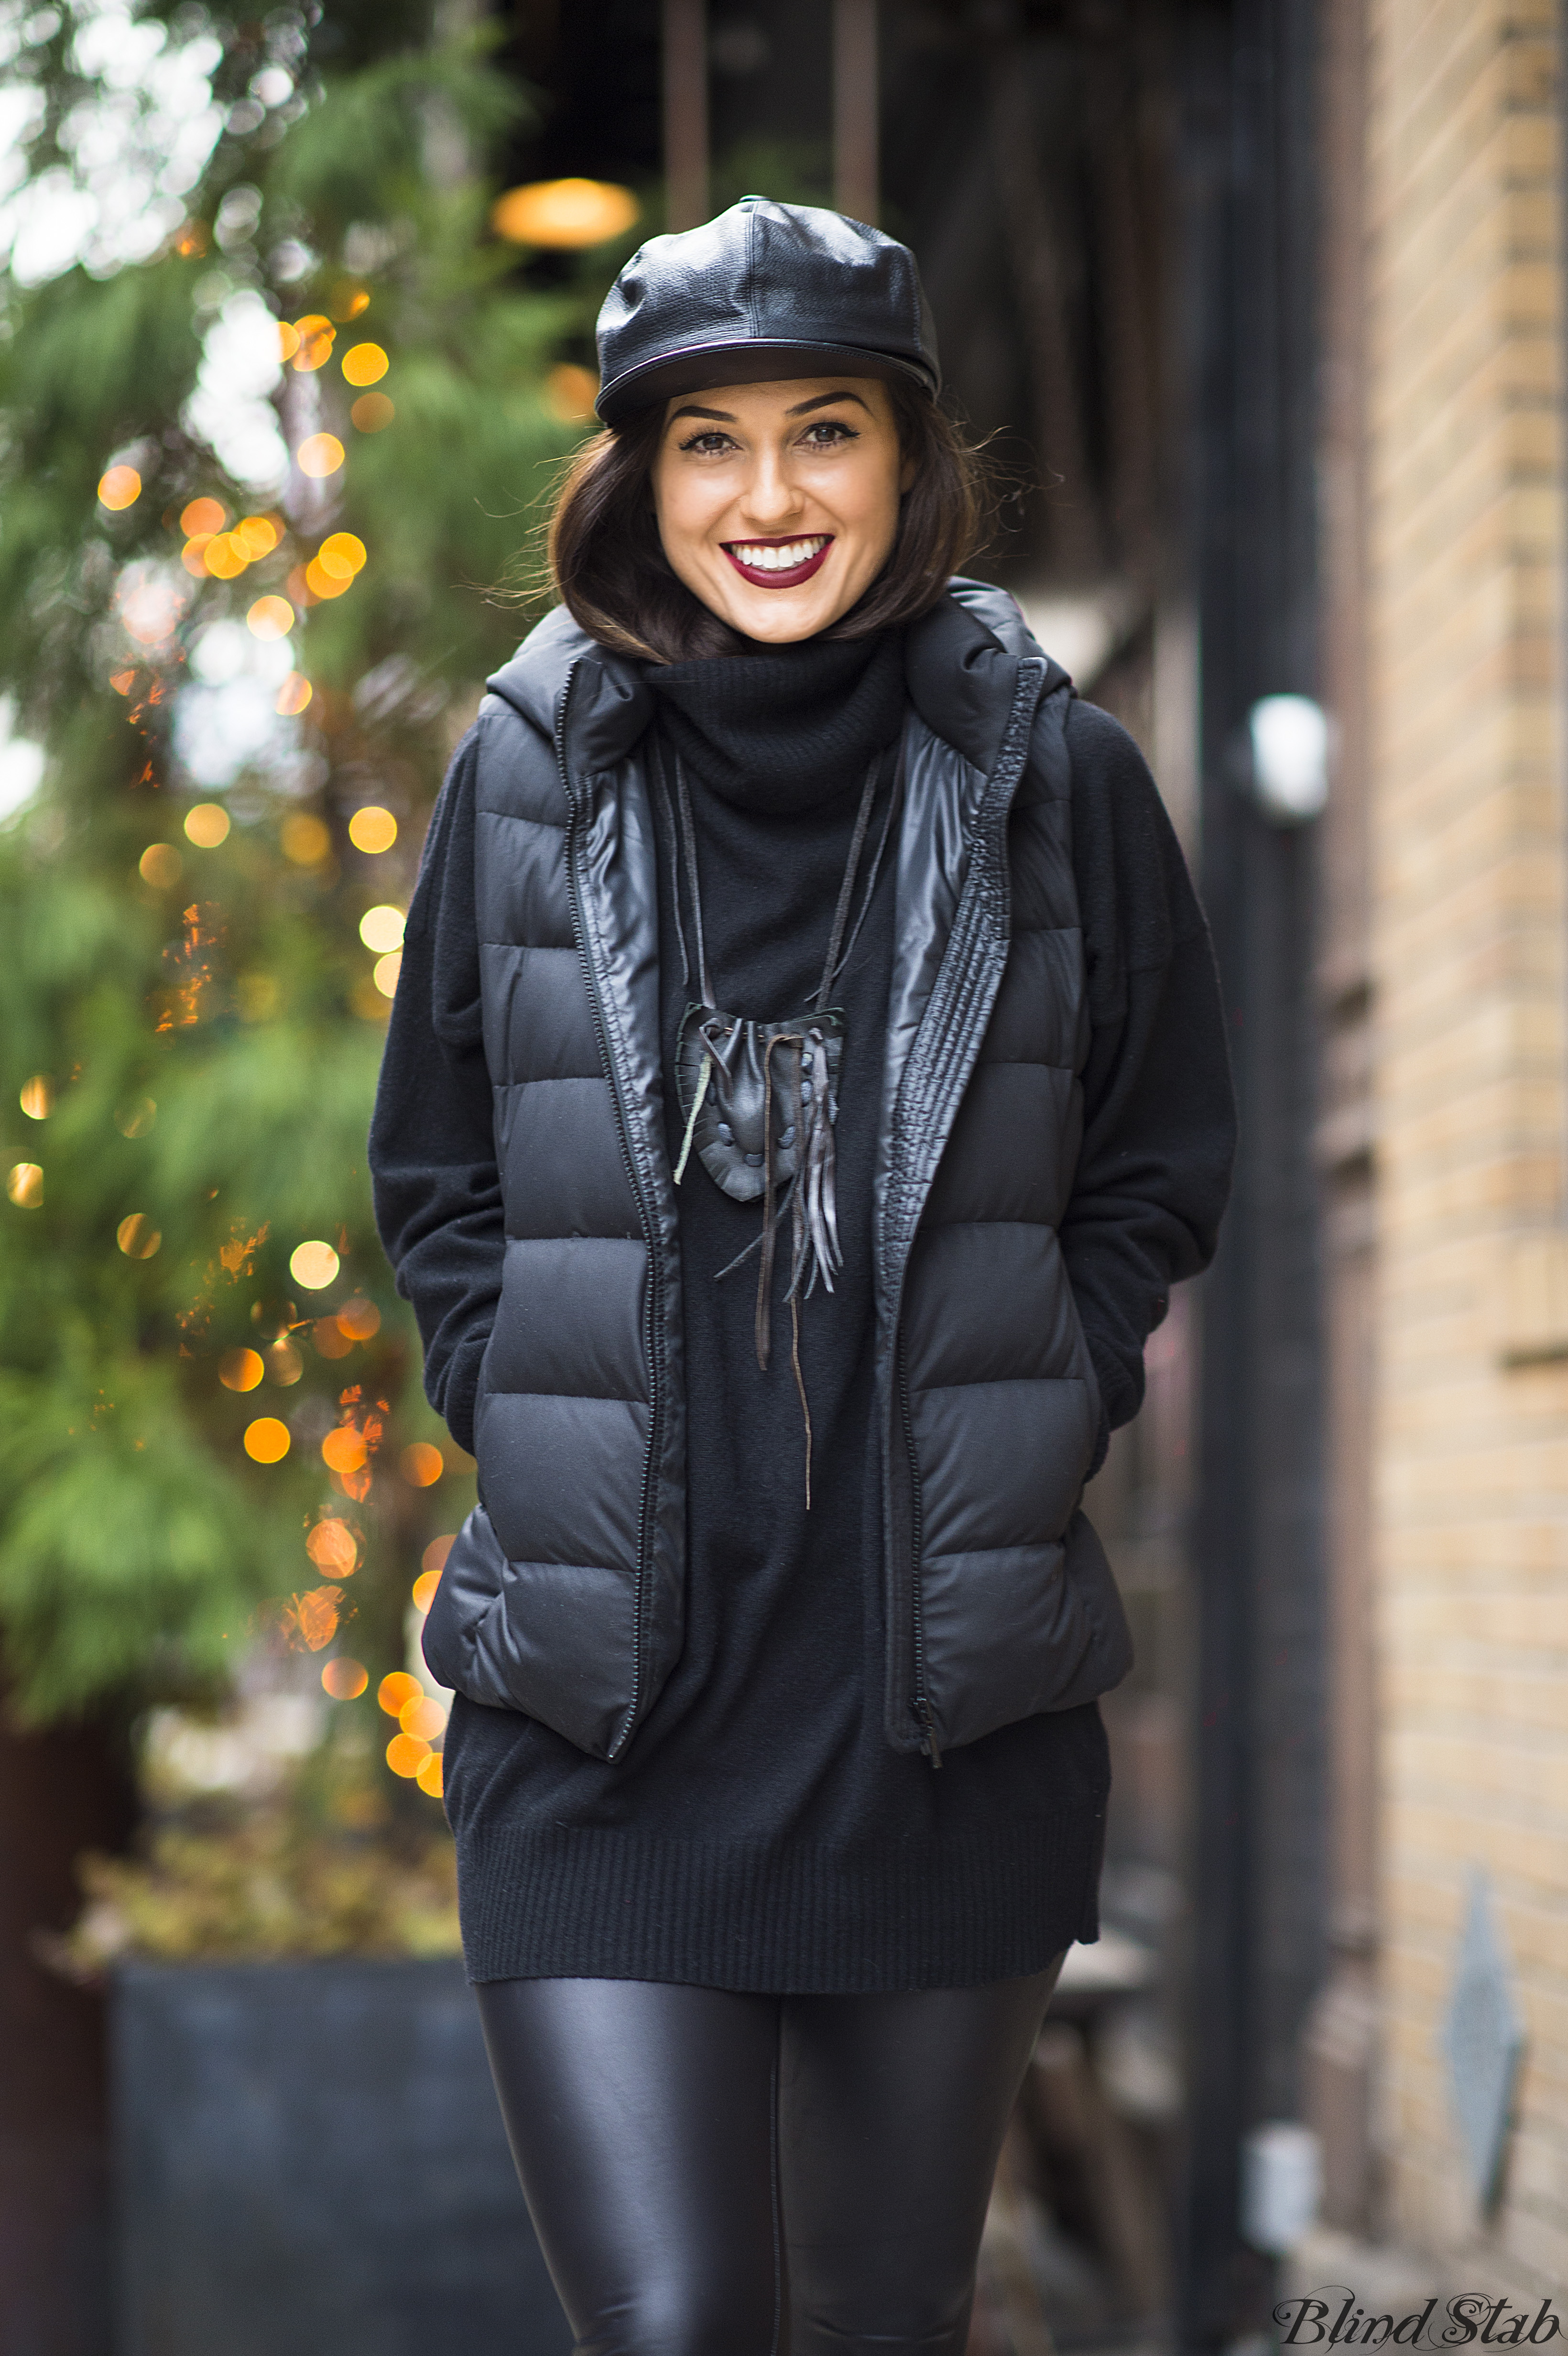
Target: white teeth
[759,557]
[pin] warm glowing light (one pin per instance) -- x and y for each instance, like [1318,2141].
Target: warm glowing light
[421,1465]
[372,829]
[38,1097]
[193,555]
[123,682]
[24,1185]
[306,841]
[434,1556]
[331,1341]
[319,455]
[372,412]
[570,393]
[283,1362]
[365,364]
[424,1717]
[323,583]
[241,1370]
[137,1119]
[207,825]
[315,1614]
[313,1265]
[202,518]
[316,336]
[425,1588]
[120,487]
[256,536]
[269,617]
[192,241]
[359,1319]
[429,1777]
[345,1679]
[223,557]
[137,1237]
[267,1439]
[564,213]
[293,696]
[344,1450]
[348,301]
[160,865]
[406,1755]
[288,341]
[381,929]
[332,1546]
[343,554]
[385,972]
[397,1689]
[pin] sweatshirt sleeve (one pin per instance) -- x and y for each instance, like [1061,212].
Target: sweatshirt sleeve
[434,1174]
[1160,1123]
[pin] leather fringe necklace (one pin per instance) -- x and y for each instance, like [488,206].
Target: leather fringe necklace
[761,1099]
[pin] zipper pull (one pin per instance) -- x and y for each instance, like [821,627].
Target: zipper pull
[928,1729]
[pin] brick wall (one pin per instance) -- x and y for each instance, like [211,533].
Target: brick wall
[1464,564]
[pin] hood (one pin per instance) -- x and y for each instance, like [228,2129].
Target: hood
[961,661]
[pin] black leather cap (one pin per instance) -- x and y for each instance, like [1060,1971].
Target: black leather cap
[761,291]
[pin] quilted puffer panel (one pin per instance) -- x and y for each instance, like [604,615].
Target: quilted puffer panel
[1041,872]
[987,1304]
[1012,1150]
[552,1640]
[539,1025]
[1014,1631]
[561,1161]
[519,865]
[1001,1464]
[1036,1018]
[563,1476]
[571,1319]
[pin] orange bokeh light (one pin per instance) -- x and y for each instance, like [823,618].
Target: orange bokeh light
[372,413]
[345,1679]
[360,1319]
[372,829]
[202,518]
[332,1545]
[318,455]
[120,487]
[421,1465]
[423,1716]
[435,1553]
[429,1778]
[406,1754]
[267,1439]
[395,1689]
[241,1370]
[365,364]
[425,1588]
[344,1450]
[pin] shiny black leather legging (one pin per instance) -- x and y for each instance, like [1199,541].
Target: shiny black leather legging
[719,2175]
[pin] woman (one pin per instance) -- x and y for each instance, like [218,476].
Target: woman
[805,1082]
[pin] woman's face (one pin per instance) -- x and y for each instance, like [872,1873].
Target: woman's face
[778,504]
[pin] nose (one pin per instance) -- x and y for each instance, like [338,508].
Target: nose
[770,501]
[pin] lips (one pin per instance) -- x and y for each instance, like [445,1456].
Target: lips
[779,563]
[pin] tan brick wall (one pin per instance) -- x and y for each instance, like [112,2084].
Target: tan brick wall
[1465,562]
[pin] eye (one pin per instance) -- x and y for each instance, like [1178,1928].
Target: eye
[824,431]
[708,442]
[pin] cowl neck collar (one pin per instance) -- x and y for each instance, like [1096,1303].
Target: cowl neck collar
[783,730]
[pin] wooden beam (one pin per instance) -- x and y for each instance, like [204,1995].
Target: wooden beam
[685,112]
[856,157]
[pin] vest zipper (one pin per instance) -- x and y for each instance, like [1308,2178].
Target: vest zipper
[920,1704]
[651,1315]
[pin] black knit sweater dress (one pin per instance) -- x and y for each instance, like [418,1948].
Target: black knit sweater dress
[761,1833]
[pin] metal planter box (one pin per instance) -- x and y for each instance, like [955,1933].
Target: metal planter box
[309,2156]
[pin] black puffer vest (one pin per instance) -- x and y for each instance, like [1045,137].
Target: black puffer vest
[563,1595]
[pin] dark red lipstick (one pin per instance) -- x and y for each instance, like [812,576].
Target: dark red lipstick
[777,577]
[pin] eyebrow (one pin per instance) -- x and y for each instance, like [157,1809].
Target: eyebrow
[727,416]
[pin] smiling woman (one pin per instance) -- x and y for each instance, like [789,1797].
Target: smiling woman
[783,896]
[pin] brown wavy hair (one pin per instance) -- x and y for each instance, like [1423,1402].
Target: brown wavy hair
[610,570]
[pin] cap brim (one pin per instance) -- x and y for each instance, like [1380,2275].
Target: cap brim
[704,367]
